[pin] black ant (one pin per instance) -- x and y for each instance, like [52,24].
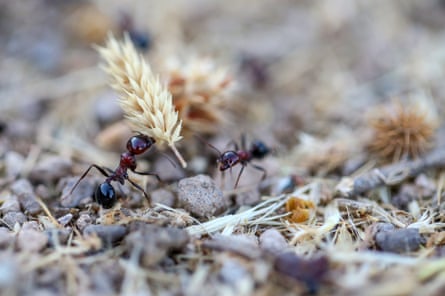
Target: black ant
[105,194]
[230,158]
[141,39]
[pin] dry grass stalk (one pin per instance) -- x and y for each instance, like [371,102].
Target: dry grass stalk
[391,174]
[401,131]
[147,103]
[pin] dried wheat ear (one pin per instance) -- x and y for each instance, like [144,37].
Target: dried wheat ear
[147,103]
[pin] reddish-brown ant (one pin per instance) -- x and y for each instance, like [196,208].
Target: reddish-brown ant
[243,156]
[105,194]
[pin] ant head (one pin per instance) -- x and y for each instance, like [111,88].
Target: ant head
[227,160]
[105,195]
[139,144]
[259,149]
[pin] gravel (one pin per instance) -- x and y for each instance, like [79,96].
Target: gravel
[26,196]
[403,240]
[30,238]
[155,242]
[11,218]
[81,195]
[272,241]
[109,234]
[201,197]
[50,169]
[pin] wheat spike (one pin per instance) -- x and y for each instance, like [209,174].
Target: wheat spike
[147,103]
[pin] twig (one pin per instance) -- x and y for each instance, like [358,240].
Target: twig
[391,174]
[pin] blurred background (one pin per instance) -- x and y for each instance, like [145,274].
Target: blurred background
[298,74]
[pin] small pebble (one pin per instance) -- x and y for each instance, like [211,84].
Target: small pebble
[407,193]
[10,205]
[11,218]
[50,169]
[399,240]
[43,191]
[26,196]
[83,221]
[81,195]
[64,220]
[242,244]
[309,271]
[14,163]
[201,197]
[163,196]
[109,234]
[156,242]
[6,237]
[58,236]
[272,241]
[31,225]
[31,240]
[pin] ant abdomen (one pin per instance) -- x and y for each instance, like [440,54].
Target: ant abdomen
[105,195]
[258,149]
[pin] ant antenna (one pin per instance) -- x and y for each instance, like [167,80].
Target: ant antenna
[169,159]
[208,144]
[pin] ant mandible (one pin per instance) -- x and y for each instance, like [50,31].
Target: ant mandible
[243,156]
[105,194]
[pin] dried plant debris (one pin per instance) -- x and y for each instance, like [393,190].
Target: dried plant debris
[350,206]
[147,103]
[401,131]
[201,92]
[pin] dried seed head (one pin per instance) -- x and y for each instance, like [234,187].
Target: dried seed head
[200,91]
[401,131]
[147,103]
[300,209]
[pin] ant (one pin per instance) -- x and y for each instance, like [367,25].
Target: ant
[141,39]
[105,194]
[243,156]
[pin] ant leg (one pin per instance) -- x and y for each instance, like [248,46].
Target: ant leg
[100,169]
[108,170]
[260,169]
[234,143]
[223,179]
[243,141]
[239,176]
[149,174]
[140,189]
